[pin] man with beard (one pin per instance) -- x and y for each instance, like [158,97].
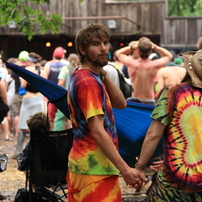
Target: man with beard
[142,71]
[94,161]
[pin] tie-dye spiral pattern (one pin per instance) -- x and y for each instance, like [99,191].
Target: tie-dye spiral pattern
[87,97]
[180,110]
[85,188]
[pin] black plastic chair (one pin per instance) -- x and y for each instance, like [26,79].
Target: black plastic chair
[49,163]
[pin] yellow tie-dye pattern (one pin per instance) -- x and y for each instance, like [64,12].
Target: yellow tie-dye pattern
[180,108]
[99,162]
[192,120]
[93,111]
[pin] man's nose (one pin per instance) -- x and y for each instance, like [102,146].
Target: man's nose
[103,46]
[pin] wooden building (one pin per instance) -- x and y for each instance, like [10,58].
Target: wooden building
[126,21]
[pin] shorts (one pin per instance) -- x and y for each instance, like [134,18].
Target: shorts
[97,188]
[15,105]
[29,107]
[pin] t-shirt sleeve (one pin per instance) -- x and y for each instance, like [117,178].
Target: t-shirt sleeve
[165,108]
[90,101]
[63,73]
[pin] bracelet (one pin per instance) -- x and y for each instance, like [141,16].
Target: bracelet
[102,76]
[139,166]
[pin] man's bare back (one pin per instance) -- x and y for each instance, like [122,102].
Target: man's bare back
[170,76]
[142,71]
[142,75]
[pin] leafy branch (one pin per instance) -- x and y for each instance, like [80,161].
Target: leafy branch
[26,18]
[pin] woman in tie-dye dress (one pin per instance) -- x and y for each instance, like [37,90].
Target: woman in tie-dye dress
[178,118]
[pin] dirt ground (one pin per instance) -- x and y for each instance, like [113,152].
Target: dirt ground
[12,179]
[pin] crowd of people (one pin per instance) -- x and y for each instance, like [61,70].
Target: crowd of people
[157,76]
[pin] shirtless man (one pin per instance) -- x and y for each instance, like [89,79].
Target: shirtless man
[142,71]
[170,76]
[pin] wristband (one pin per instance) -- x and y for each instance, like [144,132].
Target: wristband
[102,76]
[142,167]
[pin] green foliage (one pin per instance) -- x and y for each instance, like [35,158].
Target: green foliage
[185,7]
[25,17]
[181,7]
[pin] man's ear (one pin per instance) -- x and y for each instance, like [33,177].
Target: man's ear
[82,51]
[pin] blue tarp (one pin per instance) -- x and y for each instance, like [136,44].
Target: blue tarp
[54,93]
[132,122]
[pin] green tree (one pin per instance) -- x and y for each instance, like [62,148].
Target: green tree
[184,7]
[181,7]
[26,17]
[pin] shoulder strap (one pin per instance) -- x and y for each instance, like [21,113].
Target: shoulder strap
[39,70]
[114,68]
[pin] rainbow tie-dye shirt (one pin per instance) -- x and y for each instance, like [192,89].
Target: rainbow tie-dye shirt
[87,97]
[180,110]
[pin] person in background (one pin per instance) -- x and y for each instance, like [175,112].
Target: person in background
[94,160]
[52,69]
[32,102]
[17,99]
[37,123]
[112,72]
[111,69]
[142,71]
[179,62]
[42,64]
[177,117]
[3,99]
[74,62]
[135,55]
[116,62]
[61,122]
[5,123]
[172,61]
[4,73]
[170,75]
[10,95]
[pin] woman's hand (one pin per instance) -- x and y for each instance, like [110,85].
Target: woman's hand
[157,165]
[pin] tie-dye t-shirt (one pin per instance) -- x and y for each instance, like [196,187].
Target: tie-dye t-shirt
[87,97]
[180,110]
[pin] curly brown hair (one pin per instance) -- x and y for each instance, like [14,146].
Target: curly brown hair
[38,122]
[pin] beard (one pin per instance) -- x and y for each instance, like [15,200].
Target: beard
[97,61]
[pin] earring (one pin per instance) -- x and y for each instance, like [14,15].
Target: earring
[190,67]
